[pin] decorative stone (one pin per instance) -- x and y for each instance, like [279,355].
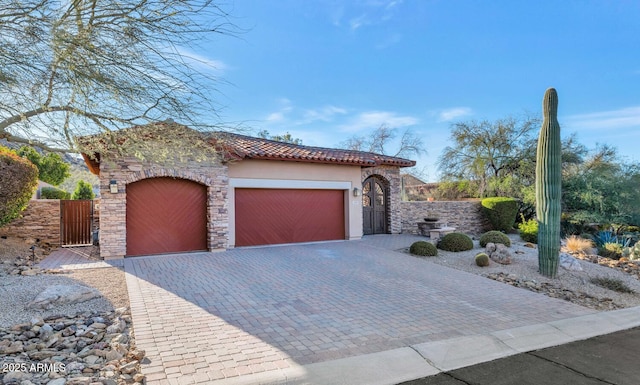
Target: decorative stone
[15,347]
[499,253]
[62,294]
[58,381]
[569,263]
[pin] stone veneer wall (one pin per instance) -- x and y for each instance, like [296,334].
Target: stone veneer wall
[113,227]
[465,216]
[40,220]
[391,176]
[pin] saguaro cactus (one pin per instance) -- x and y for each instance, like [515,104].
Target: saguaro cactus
[549,186]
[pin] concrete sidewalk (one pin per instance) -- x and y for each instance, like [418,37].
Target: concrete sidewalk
[607,359]
[480,359]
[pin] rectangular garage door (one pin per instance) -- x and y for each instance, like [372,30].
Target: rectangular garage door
[273,216]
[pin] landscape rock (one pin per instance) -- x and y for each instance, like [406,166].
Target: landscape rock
[95,358]
[570,263]
[62,294]
[499,253]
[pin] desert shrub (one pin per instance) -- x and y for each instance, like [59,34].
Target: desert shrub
[423,248]
[83,190]
[501,212]
[529,230]
[19,179]
[455,242]
[579,245]
[611,250]
[53,193]
[633,252]
[612,284]
[494,236]
[482,259]
[607,236]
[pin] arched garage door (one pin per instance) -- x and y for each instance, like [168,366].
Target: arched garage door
[166,215]
[273,216]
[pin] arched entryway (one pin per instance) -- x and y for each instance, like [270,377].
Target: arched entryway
[374,206]
[166,215]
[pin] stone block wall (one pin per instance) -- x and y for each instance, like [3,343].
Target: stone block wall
[391,176]
[465,216]
[39,221]
[113,227]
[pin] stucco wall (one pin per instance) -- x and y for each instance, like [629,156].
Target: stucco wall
[113,230]
[465,216]
[391,176]
[39,221]
[286,174]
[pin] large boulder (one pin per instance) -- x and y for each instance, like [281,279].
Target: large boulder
[499,253]
[568,262]
[61,295]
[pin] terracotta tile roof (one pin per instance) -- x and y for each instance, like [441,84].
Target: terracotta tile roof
[236,146]
[248,147]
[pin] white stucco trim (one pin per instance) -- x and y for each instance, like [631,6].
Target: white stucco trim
[289,183]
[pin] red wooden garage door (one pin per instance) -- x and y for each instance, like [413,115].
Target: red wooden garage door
[272,216]
[166,215]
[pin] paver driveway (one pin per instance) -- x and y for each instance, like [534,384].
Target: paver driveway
[209,316]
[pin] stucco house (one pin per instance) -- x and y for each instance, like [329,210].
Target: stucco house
[258,192]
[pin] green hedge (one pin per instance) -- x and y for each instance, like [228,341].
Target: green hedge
[501,212]
[19,180]
[53,193]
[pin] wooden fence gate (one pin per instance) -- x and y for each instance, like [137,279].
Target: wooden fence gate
[76,218]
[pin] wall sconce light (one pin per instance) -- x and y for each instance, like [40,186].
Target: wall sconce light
[113,186]
[356,192]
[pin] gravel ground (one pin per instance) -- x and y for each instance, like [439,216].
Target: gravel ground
[16,291]
[525,266]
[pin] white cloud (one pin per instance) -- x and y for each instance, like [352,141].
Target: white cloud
[202,61]
[374,119]
[325,114]
[280,115]
[453,113]
[358,22]
[622,118]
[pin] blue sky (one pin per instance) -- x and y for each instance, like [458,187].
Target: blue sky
[328,70]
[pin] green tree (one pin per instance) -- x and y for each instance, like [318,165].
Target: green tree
[19,180]
[494,155]
[498,158]
[75,68]
[603,189]
[285,138]
[51,167]
[84,190]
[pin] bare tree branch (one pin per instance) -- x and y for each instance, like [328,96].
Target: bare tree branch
[81,67]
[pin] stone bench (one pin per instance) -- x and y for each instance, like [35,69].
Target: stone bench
[435,234]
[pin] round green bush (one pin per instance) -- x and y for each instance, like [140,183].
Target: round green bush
[501,212]
[423,248]
[19,180]
[494,236]
[482,260]
[455,242]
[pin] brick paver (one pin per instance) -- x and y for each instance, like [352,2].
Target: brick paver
[207,316]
